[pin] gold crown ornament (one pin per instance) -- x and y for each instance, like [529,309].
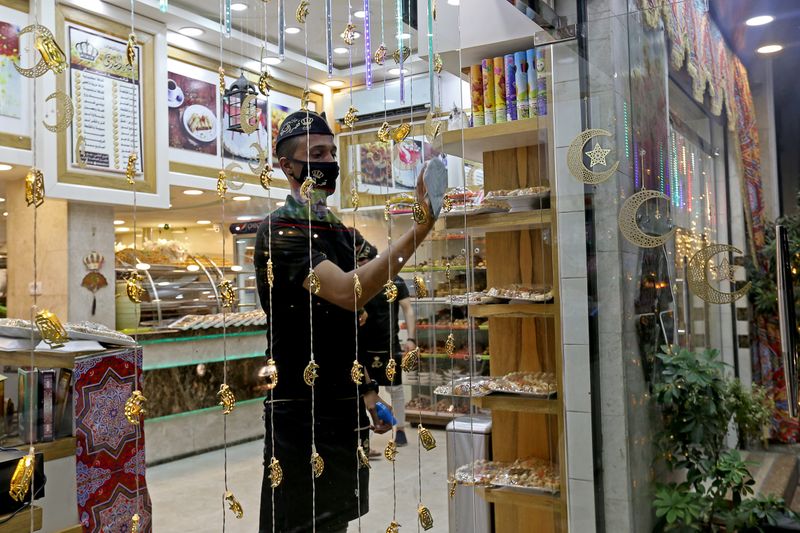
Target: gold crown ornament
[226,399]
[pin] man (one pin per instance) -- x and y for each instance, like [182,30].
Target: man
[305,148]
[378,341]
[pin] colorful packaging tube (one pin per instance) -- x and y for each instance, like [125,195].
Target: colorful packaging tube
[487,73]
[533,88]
[511,87]
[499,90]
[521,68]
[476,89]
[541,82]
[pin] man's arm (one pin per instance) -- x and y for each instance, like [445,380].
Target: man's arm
[411,322]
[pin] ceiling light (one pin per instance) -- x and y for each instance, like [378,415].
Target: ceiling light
[121,229]
[389,100]
[119,222]
[238,6]
[759,20]
[335,83]
[204,222]
[192,268]
[403,36]
[769,49]
[396,71]
[4,167]
[163,283]
[245,218]
[291,30]
[192,192]
[453,2]
[2,199]
[191,31]
[179,297]
[273,60]
[142,266]
[280,204]
[5,213]
[341,50]
[236,268]
[359,14]
[241,198]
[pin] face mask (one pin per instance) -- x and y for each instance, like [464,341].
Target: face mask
[323,174]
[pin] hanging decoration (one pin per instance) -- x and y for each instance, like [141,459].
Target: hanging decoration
[305,100]
[265,179]
[270,273]
[264,80]
[270,374]
[64,112]
[391,369]
[390,452]
[425,517]
[34,187]
[438,64]
[221,74]
[133,287]
[420,287]
[394,527]
[130,49]
[51,330]
[281,29]
[222,184]
[351,117]
[226,399]
[380,54]
[81,157]
[597,157]
[261,157]
[302,12]
[234,505]
[354,203]
[418,213]
[135,523]
[22,477]
[399,55]
[410,360]
[357,372]
[228,17]
[275,473]
[130,169]
[52,57]
[629,226]
[390,291]
[306,188]
[227,293]
[317,464]
[367,45]
[698,276]
[384,133]
[357,286]
[363,458]
[134,407]
[241,98]
[163,5]
[329,36]
[310,373]
[426,438]
[94,280]
[400,133]
[450,345]
[349,34]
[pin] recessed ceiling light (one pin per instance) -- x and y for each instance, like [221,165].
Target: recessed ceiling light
[403,36]
[236,268]
[5,213]
[759,20]
[191,31]
[192,192]
[204,222]
[119,222]
[396,71]
[390,100]
[4,166]
[335,83]
[142,266]
[359,14]
[192,268]
[238,6]
[2,199]
[291,30]
[241,198]
[453,2]
[341,50]
[769,49]
[163,283]
[245,218]
[273,60]
[121,229]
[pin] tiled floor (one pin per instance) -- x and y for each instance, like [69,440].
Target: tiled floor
[186,494]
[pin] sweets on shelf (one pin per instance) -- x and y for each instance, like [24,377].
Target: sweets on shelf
[532,473]
[527,383]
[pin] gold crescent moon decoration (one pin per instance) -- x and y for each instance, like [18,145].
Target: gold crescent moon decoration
[302,12]
[249,123]
[433,129]
[221,72]
[134,407]
[234,169]
[390,291]
[630,227]
[310,373]
[234,505]
[391,369]
[420,287]
[383,133]
[81,158]
[64,112]
[363,458]
[357,286]
[698,276]
[261,154]
[357,373]
[317,464]
[351,117]
[380,54]
[349,34]
[575,158]
[275,473]
[394,527]
[226,399]
[265,178]
[265,83]
[390,452]
[438,64]
[41,66]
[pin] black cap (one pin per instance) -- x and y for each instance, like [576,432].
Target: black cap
[302,123]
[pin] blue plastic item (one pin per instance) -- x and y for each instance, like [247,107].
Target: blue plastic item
[385,414]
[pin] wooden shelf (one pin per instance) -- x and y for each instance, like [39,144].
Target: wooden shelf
[57,449]
[513,310]
[480,139]
[549,502]
[535,218]
[518,404]
[429,418]
[21,523]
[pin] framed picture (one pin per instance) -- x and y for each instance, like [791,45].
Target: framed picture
[14,88]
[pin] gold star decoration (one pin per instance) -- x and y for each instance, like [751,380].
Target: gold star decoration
[598,155]
[724,270]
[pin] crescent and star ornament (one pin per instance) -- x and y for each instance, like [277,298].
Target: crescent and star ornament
[314,283]
[310,373]
[261,154]
[247,121]
[275,473]
[698,276]
[306,187]
[134,407]
[357,373]
[363,458]
[271,374]
[349,34]
[420,287]
[234,169]
[302,12]
[391,369]
[52,58]
[384,132]
[390,452]
[450,345]
[390,291]
[597,156]
[234,505]
[629,226]
[351,117]
[264,83]
[133,287]
[380,54]
[317,464]
[394,527]
[226,399]
[64,112]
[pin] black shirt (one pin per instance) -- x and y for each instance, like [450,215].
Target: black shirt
[381,324]
[334,334]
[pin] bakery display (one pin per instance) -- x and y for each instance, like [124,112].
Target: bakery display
[533,474]
[527,383]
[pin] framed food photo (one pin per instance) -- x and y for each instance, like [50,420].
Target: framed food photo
[14,88]
[193,113]
[114,110]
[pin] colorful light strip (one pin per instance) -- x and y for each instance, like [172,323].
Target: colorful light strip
[661,182]
[635,166]
[329,37]
[227,18]
[399,9]
[627,127]
[691,188]
[430,51]
[281,29]
[367,45]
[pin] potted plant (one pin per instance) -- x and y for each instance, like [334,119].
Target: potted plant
[698,404]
